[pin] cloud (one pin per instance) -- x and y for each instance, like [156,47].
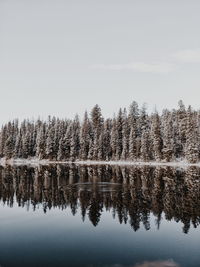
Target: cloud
[188,56]
[160,67]
[172,63]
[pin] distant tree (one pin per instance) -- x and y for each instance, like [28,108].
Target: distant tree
[50,142]
[75,139]
[85,137]
[168,142]
[125,136]
[107,139]
[41,142]
[119,134]
[132,145]
[113,140]
[191,148]
[3,138]
[156,137]
[182,127]
[135,135]
[145,146]
[9,147]
[97,124]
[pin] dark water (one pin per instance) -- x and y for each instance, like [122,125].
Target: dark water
[99,216]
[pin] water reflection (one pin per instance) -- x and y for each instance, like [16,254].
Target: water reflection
[158,264]
[131,193]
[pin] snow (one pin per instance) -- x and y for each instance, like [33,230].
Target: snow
[32,161]
[36,161]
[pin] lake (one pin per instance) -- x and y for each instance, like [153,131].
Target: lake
[110,216]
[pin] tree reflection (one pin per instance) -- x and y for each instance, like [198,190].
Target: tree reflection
[130,193]
[158,264]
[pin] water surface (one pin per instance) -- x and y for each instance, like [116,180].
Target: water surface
[99,216]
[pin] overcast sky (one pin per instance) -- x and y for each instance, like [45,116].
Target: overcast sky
[60,57]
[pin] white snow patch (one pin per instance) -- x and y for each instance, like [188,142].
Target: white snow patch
[36,161]
[32,161]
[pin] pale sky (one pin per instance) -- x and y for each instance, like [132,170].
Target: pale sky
[61,57]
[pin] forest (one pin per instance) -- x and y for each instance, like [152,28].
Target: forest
[131,135]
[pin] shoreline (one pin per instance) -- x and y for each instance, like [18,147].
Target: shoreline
[35,161]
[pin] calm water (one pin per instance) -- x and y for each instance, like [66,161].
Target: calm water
[99,216]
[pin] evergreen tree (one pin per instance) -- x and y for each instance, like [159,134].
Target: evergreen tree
[132,145]
[168,143]
[113,140]
[182,127]
[18,149]
[75,139]
[119,134]
[107,140]
[41,142]
[97,123]
[9,147]
[191,148]
[125,136]
[85,136]
[133,136]
[156,137]
[145,145]
[50,143]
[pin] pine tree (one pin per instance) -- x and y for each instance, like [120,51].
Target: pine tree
[97,120]
[125,136]
[156,137]
[41,142]
[133,115]
[3,137]
[9,147]
[113,140]
[18,150]
[61,150]
[107,140]
[168,143]
[75,139]
[191,148]
[132,136]
[145,145]
[91,150]
[119,131]
[50,143]
[26,145]
[132,145]
[67,142]
[182,127]
[85,136]
[97,124]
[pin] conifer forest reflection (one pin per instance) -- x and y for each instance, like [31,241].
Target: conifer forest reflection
[140,199]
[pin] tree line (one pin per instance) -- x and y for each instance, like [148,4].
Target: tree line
[132,135]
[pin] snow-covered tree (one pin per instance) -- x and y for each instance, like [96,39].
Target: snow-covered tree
[75,139]
[191,147]
[145,146]
[125,136]
[133,136]
[50,143]
[85,136]
[156,137]
[132,145]
[41,142]
[168,141]
[119,134]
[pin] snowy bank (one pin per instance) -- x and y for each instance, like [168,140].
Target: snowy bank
[36,161]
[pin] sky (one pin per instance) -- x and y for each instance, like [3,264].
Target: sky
[61,57]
